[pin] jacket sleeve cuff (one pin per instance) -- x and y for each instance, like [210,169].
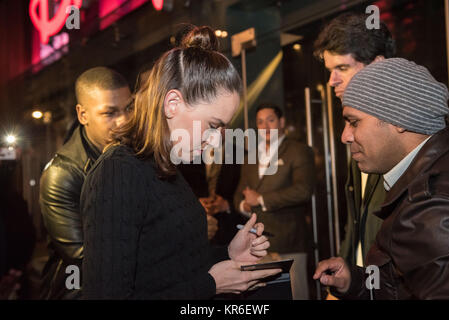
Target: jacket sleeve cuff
[357,289]
[218,253]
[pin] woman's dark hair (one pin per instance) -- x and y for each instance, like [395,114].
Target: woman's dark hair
[348,34]
[198,71]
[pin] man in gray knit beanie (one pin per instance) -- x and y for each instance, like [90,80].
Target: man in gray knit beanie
[402,93]
[405,103]
[395,125]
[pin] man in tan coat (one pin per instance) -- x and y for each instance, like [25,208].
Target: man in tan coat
[280,199]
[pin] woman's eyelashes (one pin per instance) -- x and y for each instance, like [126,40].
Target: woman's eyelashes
[213,126]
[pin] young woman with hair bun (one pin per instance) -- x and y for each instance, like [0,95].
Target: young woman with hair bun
[145,233]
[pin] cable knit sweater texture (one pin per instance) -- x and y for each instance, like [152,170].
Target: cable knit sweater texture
[145,238]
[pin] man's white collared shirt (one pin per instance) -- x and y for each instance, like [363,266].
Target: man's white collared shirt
[392,176]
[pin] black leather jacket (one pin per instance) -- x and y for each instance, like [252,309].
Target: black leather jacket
[60,188]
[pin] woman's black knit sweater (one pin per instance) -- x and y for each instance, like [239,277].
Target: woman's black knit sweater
[144,238]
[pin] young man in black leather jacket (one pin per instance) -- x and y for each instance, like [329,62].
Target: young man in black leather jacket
[104,103]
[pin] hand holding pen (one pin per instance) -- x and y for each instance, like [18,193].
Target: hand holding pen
[253,230]
[247,246]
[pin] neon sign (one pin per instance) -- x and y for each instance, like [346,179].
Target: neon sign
[48,27]
[158,4]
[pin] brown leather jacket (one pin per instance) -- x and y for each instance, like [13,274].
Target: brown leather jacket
[412,246]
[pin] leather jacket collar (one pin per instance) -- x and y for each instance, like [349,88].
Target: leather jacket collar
[426,157]
[79,150]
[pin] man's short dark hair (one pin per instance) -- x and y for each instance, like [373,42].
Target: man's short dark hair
[348,34]
[98,77]
[275,108]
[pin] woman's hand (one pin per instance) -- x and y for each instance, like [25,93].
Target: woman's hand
[247,246]
[230,279]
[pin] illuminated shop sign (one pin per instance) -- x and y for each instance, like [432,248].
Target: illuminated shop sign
[47,26]
[158,4]
[50,26]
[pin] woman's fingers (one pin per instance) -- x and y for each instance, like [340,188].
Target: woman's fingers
[260,241]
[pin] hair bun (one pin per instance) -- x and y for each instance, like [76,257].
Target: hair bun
[200,37]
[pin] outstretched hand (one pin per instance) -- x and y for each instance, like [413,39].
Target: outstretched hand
[247,246]
[335,273]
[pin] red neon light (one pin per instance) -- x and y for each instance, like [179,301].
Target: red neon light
[158,4]
[49,27]
[110,11]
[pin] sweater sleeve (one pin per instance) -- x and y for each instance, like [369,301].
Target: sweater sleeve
[218,254]
[357,289]
[200,286]
[111,220]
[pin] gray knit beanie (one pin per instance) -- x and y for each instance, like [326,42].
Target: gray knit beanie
[399,92]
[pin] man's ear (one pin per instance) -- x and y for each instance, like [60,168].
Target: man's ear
[172,103]
[379,58]
[82,114]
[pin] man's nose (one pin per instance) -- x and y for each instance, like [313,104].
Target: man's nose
[263,125]
[347,136]
[334,79]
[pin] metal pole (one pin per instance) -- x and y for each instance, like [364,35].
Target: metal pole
[446,18]
[327,169]
[245,102]
[334,166]
[314,220]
